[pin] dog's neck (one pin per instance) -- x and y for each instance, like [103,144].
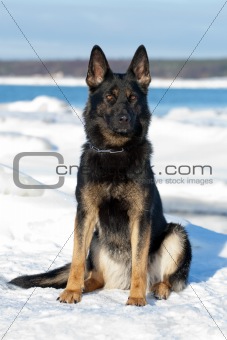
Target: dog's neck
[127,149]
[106,150]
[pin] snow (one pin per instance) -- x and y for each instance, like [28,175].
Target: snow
[199,117]
[156,82]
[41,80]
[38,104]
[181,83]
[37,227]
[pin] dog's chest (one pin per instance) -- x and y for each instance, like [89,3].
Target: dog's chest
[113,224]
[113,191]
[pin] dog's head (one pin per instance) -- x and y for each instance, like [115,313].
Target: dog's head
[117,109]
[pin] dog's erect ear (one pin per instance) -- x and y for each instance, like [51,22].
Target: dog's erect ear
[140,67]
[98,67]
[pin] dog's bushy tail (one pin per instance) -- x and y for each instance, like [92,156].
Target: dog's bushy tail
[56,278]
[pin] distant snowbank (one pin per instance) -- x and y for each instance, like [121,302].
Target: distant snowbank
[204,117]
[156,82]
[38,104]
[36,80]
[42,108]
[208,83]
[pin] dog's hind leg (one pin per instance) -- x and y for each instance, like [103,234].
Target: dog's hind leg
[94,279]
[169,266]
[93,282]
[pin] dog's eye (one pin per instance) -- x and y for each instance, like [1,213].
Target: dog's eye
[109,97]
[132,98]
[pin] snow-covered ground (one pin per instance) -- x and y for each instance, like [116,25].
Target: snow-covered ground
[37,225]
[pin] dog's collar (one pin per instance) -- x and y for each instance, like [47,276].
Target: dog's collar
[105,150]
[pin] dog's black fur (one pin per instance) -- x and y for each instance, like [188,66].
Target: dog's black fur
[130,242]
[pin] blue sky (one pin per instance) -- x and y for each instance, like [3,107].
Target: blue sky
[68,28]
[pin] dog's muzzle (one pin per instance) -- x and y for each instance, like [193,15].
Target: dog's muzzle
[123,123]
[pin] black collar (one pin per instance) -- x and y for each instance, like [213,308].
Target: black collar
[105,150]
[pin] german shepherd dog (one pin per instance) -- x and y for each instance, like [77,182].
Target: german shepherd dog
[121,237]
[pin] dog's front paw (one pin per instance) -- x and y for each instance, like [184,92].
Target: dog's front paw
[70,296]
[136,301]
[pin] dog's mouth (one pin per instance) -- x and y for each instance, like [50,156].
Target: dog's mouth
[123,131]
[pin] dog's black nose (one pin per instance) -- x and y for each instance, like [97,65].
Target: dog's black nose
[124,119]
